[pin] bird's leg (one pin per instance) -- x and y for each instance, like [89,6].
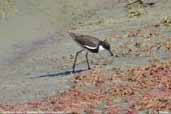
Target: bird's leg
[87,60]
[75,60]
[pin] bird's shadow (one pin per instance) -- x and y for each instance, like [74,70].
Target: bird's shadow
[64,73]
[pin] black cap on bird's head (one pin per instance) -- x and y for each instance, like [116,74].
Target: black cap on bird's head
[106,46]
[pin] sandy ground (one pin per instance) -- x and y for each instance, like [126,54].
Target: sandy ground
[37,54]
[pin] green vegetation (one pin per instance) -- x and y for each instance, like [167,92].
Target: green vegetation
[7,8]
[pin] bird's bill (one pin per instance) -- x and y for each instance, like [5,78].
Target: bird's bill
[110,52]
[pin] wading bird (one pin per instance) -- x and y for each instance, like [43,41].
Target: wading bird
[89,44]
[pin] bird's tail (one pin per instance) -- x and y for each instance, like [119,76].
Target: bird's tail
[73,35]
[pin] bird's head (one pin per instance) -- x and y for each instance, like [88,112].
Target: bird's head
[106,46]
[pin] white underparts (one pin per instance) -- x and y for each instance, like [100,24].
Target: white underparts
[101,48]
[89,47]
[93,48]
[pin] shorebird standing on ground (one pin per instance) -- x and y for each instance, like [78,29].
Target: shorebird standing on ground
[89,44]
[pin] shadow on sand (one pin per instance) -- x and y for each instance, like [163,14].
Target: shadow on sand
[65,73]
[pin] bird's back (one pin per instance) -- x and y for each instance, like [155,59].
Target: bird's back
[85,40]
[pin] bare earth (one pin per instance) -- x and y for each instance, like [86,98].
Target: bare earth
[37,53]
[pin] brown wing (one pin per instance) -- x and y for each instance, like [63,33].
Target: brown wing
[87,40]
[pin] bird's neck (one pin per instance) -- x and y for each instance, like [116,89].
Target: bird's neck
[101,48]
